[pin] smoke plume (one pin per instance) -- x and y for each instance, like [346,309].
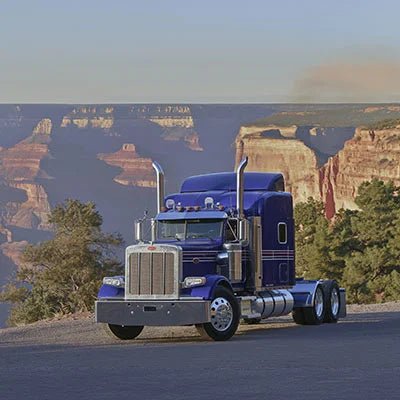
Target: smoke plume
[350,82]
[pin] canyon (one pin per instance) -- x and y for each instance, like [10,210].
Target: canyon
[370,153]
[103,153]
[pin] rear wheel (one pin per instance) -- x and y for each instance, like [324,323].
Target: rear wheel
[225,316]
[124,332]
[311,315]
[332,302]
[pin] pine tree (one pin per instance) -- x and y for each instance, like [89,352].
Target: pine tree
[62,275]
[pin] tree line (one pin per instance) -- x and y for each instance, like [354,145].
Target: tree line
[359,248]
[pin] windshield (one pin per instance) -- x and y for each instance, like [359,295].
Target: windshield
[190,229]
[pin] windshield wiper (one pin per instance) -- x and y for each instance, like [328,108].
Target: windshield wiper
[172,237]
[196,236]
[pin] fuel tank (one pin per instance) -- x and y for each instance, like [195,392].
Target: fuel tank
[268,303]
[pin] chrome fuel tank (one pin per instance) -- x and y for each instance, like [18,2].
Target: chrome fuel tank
[266,304]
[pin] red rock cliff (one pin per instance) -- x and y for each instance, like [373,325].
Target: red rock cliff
[292,157]
[369,154]
[136,171]
[20,165]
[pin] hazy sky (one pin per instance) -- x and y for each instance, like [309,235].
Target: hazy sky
[92,51]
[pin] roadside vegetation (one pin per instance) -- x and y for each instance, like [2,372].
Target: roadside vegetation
[360,249]
[63,275]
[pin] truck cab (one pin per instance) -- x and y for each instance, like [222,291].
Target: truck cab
[221,251]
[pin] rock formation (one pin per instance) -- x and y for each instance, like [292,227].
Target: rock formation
[14,250]
[44,127]
[19,167]
[86,116]
[292,157]
[136,171]
[369,154]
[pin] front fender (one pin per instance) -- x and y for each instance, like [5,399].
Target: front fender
[207,291]
[108,291]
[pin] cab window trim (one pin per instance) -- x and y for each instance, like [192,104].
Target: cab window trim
[285,232]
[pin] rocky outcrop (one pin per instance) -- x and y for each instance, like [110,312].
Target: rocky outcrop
[192,141]
[44,127]
[136,171]
[85,117]
[5,235]
[22,161]
[33,213]
[172,122]
[369,154]
[20,165]
[274,154]
[14,250]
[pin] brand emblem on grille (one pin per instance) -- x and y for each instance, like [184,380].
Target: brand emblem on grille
[152,248]
[196,260]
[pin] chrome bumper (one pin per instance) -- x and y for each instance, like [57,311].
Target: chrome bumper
[152,312]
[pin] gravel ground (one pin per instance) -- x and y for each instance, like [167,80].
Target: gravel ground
[80,330]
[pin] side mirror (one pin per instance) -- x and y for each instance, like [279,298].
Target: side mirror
[139,230]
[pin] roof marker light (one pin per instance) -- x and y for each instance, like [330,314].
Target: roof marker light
[170,204]
[209,202]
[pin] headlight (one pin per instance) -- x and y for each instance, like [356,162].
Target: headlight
[192,281]
[118,281]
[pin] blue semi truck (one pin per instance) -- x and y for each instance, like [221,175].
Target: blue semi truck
[222,250]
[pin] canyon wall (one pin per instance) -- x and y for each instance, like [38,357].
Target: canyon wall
[369,154]
[20,166]
[276,153]
[136,171]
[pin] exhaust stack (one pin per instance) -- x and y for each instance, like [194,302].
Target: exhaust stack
[160,185]
[240,187]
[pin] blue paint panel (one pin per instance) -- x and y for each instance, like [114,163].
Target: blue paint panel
[207,291]
[303,292]
[107,291]
[226,181]
[278,258]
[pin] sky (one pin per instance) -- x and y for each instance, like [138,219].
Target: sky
[208,51]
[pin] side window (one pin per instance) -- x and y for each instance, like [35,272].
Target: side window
[282,233]
[231,230]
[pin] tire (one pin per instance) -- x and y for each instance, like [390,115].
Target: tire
[252,321]
[332,302]
[311,315]
[124,332]
[225,315]
[298,316]
[315,315]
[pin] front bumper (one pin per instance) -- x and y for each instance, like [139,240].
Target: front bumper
[153,312]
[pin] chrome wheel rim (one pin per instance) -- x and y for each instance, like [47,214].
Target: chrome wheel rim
[221,314]
[334,302]
[319,303]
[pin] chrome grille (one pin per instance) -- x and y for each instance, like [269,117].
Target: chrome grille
[153,271]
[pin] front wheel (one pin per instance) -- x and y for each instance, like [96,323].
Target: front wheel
[124,332]
[225,315]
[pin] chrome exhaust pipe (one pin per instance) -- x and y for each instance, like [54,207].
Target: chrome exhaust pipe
[160,185]
[240,187]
